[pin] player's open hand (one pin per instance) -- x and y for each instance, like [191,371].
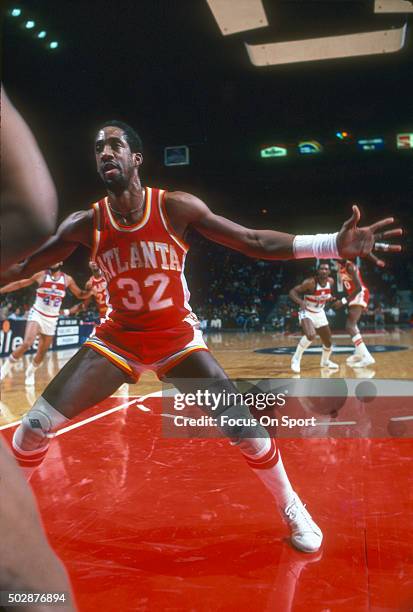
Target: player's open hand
[353,241]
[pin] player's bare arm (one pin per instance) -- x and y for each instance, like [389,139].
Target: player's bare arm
[24,282]
[307,286]
[82,294]
[74,230]
[186,210]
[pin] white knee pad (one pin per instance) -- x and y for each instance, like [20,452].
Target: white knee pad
[37,426]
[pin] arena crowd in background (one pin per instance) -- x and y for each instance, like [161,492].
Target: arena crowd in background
[230,291]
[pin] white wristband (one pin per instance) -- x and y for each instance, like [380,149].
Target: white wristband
[344,301]
[66,312]
[320,246]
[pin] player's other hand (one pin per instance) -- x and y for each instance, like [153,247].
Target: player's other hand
[353,241]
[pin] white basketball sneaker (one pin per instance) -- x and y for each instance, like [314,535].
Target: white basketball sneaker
[29,378]
[305,534]
[353,358]
[295,364]
[329,364]
[365,361]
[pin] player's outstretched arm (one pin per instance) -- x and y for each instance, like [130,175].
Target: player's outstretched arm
[24,282]
[29,200]
[82,294]
[307,286]
[351,241]
[74,230]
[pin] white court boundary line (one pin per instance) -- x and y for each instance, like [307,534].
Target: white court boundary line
[93,418]
[136,400]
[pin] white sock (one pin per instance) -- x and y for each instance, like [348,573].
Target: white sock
[301,347]
[268,466]
[360,347]
[325,355]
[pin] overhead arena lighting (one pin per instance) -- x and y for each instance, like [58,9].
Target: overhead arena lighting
[238,16]
[29,25]
[53,45]
[15,12]
[393,6]
[328,47]
[42,34]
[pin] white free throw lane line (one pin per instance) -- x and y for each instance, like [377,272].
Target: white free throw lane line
[402,418]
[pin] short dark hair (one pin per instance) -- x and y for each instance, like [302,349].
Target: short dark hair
[133,138]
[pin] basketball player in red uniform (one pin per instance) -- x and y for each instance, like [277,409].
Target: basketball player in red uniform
[136,236]
[311,296]
[43,316]
[98,286]
[357,301]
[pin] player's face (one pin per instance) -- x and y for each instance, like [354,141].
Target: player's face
[94,268]
[115,162]
[56,266]
[323,272]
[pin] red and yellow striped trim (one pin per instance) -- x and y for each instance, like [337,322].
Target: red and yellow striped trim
[96,231]
[132,228]
[116,359]
[175,361]
[165,221]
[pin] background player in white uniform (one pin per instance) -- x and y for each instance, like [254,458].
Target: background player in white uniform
[43,315]
[316,292]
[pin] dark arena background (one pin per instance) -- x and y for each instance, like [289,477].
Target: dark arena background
[144,520]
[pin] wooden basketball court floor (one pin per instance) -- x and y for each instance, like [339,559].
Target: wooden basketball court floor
[146,522]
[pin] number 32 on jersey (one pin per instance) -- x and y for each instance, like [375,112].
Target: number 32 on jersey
[133,299]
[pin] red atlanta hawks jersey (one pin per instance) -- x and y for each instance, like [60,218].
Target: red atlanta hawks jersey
[143,265]
[315,302]
[50,294]
[100,293]
[347,280]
